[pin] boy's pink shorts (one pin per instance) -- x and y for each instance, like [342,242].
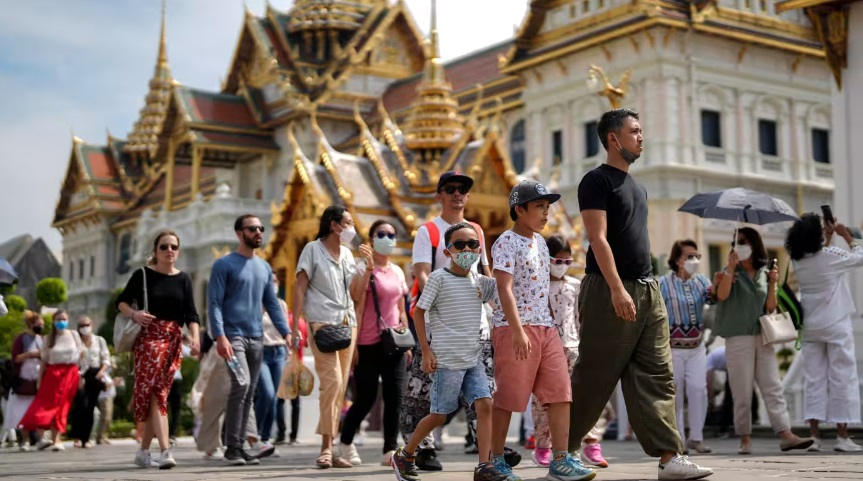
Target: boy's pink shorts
[544,373]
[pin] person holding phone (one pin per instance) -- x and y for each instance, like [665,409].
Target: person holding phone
[830,386]
[744,291]
[322,296]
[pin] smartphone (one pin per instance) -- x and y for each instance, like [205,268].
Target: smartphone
[772,264]
[827,213]
[356,242]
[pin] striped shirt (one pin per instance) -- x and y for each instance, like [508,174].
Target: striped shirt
[454,305]
[684,301]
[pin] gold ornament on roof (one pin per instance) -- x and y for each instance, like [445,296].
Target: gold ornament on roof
[435,123]
[599,82]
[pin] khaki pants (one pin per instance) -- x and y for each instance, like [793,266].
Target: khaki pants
[333,370]
[637,353]
[750,362]
[106,414]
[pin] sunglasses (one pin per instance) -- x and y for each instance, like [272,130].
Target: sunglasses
[173,247]
[254,228]
[461,244]
[83,325]
[558,261]
[381,235]
[452,188]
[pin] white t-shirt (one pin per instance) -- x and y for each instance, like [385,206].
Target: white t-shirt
[527,260]
[455,308]
[716,360]
[564,302]
[422,251]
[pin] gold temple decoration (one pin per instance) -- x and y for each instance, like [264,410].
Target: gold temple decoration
[435,123]
[614,94]
[830,21]
[143,140]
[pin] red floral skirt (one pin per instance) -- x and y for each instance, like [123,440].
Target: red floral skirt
[50,407]
[157,357]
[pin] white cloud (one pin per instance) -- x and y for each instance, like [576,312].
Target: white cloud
[85,65]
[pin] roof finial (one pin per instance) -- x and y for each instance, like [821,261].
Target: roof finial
[433,48]
[163,39]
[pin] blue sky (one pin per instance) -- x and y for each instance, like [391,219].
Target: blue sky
[83,66]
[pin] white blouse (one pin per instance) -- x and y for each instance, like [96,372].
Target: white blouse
[824,291]
[67,349]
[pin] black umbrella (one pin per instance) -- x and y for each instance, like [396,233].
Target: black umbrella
[741,205]
[7,272]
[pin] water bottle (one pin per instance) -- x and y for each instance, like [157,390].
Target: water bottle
[237,368]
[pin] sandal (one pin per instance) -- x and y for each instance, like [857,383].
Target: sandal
[339,462]
[325,460]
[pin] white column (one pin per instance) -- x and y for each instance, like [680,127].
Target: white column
[847,147]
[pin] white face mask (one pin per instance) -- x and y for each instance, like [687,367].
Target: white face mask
[86,331]
[347,235]
[558,271]
[744,252]
[691,266]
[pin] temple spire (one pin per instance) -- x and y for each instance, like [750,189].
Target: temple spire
[162,62]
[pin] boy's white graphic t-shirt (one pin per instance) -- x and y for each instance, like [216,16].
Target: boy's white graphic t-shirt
[527,260]
[455,310]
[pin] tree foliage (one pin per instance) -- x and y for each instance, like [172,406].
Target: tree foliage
[107,328]
[15,303]
[51,291]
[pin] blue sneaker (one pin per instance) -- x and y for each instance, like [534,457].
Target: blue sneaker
[504,469]
[569,469]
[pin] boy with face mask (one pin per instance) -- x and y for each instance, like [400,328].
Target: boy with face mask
[454,298]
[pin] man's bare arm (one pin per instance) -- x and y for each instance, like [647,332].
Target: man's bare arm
[421,273]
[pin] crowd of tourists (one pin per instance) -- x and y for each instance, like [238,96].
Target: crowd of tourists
[491,330]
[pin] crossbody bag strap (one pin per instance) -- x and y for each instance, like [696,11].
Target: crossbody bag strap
[144,277]
[375,300]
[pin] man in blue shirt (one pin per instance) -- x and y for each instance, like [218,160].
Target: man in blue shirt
[240,288]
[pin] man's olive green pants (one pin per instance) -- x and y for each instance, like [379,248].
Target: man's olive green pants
[637,353]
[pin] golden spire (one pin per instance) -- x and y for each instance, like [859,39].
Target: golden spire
[144,136]
[435,123]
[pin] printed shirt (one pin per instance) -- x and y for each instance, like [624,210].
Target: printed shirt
[455,307]
[684,301]
[564,304]
[526,259]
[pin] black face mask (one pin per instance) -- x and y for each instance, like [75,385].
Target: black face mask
[628,156]
[37,329]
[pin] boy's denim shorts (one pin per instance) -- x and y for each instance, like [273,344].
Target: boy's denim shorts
[447,384]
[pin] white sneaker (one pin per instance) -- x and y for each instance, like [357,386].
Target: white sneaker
[846,445]
[387,459]
[58,447]
[167,460]
[143,459]
[349,453]
[261,450]
[682,468]
[43,444]
[816,446]
[276,453]
[24,448]
[214,455]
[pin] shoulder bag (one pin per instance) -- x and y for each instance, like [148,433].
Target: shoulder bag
[125,329]
[394,340]
[335,337]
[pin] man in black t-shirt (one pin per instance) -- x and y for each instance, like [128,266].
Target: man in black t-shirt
[624,324]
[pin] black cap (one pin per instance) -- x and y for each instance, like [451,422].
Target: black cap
[530,190]
[454,176]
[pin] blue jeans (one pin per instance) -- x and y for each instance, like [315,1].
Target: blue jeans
[448,384]
[268,384]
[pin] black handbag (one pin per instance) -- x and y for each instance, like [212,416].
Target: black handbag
[394,340]
[335,337]
[24,387]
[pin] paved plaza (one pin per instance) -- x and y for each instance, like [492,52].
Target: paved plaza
[628,463]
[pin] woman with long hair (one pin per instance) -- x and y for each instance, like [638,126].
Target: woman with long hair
[830,387]
[61,355]
[744,291]
[378,289]
[157,350]
[26,367]
[96,360]
[321,296]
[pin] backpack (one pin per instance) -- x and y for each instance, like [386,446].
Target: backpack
[434,237]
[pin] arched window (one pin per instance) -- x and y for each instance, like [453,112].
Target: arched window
[516,146]
[125,253]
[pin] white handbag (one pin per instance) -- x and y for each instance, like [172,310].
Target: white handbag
[125,329]
[777,328]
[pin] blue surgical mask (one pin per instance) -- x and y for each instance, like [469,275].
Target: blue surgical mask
[61,325]
[384,246]
[465,259]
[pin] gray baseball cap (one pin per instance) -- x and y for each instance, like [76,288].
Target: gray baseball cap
[530,190]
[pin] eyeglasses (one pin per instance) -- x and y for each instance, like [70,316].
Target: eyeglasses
[83,325]
[693,256]
[381,235]
[173,247]
[254,228]
[558,261]
[452,188]
[461,244]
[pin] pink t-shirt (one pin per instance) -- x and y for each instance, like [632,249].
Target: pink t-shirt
[391,288]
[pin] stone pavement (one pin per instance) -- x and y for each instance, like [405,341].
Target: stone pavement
[628,463]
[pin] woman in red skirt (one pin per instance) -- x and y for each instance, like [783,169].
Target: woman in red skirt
[168,307]
[61,355]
